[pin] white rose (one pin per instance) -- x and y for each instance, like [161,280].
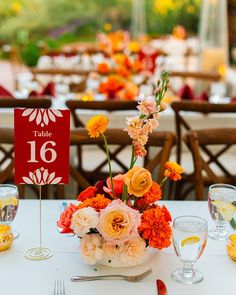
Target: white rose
[83,220]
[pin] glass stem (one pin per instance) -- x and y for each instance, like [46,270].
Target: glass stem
[188,271]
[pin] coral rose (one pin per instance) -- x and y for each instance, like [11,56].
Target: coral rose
[118,222]
[173,171]
[118,182]
[138,181]
[65,219]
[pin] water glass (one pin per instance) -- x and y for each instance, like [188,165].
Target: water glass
[189,235]
[9,201]
[222,206]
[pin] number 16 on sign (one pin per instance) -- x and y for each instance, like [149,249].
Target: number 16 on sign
[42,141]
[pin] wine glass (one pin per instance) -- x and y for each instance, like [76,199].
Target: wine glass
[222,206]
[9,201]
[189,235]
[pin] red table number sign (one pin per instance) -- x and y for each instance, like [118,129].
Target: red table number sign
[42,144]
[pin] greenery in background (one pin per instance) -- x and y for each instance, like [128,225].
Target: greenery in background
[26,23]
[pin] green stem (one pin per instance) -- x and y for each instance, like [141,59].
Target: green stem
[125,193]
[132,158]
[109,163]
[163,181]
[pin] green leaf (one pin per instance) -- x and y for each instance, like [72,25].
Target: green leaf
[233,223]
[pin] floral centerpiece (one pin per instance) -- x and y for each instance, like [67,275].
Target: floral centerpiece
[118,218]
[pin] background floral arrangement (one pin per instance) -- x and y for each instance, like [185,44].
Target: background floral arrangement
[118,218]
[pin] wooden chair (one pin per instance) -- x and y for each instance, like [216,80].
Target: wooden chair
[36,102]
[161,142]
[181,110]
[197,76]
[75,106]
[212,161]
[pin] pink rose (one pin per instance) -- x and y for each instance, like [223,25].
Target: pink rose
[118,222]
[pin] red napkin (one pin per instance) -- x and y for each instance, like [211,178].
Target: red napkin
[233,99]
[48,90]
[5,92]
[203,96]
[186,92]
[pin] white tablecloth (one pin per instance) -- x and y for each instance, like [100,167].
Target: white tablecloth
[19,276]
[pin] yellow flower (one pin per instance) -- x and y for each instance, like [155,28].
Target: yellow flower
[107,27]
[16,7]
[97,125]
[138,181]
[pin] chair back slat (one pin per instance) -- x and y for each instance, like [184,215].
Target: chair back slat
[203,142]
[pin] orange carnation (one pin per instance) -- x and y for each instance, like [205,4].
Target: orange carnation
[99,202]
[173,171]
[154,194]
[97,125]
[155,227]
[89,192]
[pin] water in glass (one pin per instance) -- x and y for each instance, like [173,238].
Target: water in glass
[189,239]
[9,201]
[222,207]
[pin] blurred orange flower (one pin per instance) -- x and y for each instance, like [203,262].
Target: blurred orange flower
[97,125]
[173,171]
[103,68]
[111,86]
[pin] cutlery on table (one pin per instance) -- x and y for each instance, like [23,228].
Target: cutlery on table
[59,288]
[132,279]
[161,287]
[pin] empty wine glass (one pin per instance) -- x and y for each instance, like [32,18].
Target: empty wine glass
[222,206]
[9,201]
[189,238]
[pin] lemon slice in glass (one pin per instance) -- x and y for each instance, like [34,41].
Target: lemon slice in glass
[190,240]
[226,209]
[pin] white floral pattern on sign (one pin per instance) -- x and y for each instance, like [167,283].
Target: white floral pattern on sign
[42,116]
[41,176]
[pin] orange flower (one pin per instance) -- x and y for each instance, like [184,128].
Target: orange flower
[122,71]
[97,125]
[138,181]
[154,194]
[137,66]
[173,171]
[99,202]
[89,192]
[111,85]
[155,227]
[65,219]
[103,68]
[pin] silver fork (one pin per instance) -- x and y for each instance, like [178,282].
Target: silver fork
[59,288]
[132,279]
